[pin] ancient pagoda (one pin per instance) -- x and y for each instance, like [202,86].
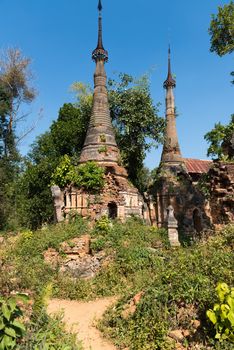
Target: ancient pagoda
[100,145]
[175,190]
[171,155]
[119,198]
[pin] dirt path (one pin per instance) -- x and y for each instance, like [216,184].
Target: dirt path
[80,318]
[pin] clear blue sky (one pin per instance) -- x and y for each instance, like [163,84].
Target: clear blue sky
[60,35]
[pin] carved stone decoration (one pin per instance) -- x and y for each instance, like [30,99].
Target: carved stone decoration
[172,227]
[58,203]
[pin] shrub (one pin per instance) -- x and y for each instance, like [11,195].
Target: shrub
[89,176]
[222,315]
[103,225]
[48,333]
[11,329]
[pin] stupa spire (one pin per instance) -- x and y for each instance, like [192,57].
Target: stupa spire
[171,149]
[100,52]
[169,82]
[100,144]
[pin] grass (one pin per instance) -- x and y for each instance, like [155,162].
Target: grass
[178,284]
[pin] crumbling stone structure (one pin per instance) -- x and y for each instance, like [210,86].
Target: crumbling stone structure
[221,182]
[119,198]
[174,188]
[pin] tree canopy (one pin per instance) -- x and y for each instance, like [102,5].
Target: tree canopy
[15,89]
[221,140]
[222,30]
[134,116]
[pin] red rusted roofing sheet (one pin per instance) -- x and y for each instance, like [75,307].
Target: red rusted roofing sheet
[197,166]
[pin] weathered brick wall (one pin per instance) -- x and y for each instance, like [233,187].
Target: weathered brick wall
[222,193]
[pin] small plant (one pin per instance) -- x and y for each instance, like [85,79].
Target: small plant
[98,245]
[103,138]
[204,185]
[222,315]
[11,329]
[102,149]
[103,224]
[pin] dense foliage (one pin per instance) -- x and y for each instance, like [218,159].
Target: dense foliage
[88,176]
[15,89]
[178,285]
[222,31]
[65,137]
[138,127]
[221,140]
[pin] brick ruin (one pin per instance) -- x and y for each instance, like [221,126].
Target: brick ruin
[119,198]
[175,201]
[178,185]
[221,181]
[175,187]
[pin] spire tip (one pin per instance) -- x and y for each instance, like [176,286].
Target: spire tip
[99,5]
[170,81]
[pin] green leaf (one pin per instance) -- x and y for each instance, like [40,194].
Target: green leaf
[10,332]
[12,303]
[22,297]
[6,312]
[230,301]
[2,324]
[231,318]
[19,325]
[211,315]
[8,342]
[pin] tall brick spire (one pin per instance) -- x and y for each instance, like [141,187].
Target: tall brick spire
[171,150]
[100,144]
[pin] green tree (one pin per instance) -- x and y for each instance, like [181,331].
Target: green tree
[15,89]
[138,127]
[222,31]
[9,158]
[221,140]
[65,137]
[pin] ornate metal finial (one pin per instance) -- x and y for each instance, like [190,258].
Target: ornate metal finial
[169,82]
[100,52]
[100,6]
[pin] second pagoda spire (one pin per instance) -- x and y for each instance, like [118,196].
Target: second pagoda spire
[171,150]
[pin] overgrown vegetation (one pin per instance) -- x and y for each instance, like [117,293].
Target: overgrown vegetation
[222,31]
[88,176]
[221,141]
[178,285]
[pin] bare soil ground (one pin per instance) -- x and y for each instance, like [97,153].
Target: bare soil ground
[80,318]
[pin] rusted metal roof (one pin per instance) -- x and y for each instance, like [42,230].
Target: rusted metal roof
[197,166]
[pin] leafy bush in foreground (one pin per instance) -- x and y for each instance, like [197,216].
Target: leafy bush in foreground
[11,329]
[222,315]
